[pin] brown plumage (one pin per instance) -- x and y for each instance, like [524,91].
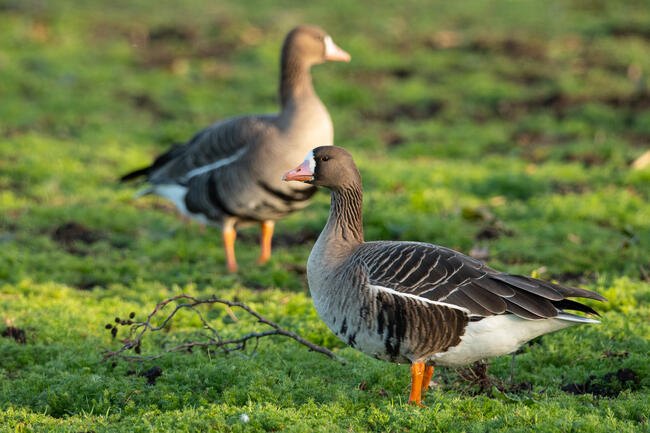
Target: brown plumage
[416,302]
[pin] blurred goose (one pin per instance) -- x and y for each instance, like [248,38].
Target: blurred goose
[229,173]
[416,302]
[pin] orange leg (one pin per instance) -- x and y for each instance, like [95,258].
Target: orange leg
[426,378]
[417,374]
[229,236]
[265,241]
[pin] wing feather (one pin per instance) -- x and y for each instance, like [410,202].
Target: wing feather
[487,299]
[521,312]
[219,142]
[444,275]
[529,285]
[495,287]
[460,298]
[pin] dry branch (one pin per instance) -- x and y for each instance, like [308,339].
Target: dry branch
[139,329]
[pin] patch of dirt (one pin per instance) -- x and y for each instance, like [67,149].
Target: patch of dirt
[475,380]
[619,355]
[532,138]
[401,73]
[8,226]
[296,268]
[589,159]
[392,139]
[12,6]
[16,333]
[492,227]
[299,238]
[152,374]
[609,385]
[479,213]
[570,188]
[444,39]
[536,146]
[511,46]
[560,102]
[488,232]
[508,46]
[514,108]
[629,29]
[422,111]
[370,78]
[526,78]
[639,139]
[144,102]
[170,46]
[255,285]
[363,386]
[70,234]
[494,230]
[476,374]
[90,284]
[171,33]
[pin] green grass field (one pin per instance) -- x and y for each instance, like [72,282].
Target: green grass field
[506,129]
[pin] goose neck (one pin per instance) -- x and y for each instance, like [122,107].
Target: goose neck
[295,82]
[345,223]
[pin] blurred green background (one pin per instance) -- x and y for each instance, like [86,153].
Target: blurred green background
[514,131]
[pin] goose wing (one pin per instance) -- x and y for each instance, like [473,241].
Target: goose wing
[211,148]
[444,275]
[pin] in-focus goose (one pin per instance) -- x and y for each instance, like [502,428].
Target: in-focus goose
[416,302]
[229,173]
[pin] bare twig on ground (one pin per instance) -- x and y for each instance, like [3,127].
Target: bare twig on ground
[477,375]
[139,329]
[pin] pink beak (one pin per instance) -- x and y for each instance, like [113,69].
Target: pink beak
[302,173]
[333,52]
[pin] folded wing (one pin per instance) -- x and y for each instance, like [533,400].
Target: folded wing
[444,275]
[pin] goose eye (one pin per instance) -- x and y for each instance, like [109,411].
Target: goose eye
[325,158]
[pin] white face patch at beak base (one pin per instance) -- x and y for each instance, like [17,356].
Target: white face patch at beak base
[312,161]
[330,46]
[334,52]
[304,172]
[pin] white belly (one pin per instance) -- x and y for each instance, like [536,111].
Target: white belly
[176,194]
[496,336]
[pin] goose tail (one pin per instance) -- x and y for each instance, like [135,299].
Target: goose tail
[144,191]
[575,318]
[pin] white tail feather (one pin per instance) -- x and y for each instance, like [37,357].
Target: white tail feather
[144,191]
[574,318]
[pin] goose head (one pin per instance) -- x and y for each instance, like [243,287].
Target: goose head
[330,166]
[311,45]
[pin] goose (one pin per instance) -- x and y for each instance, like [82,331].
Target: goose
[414,302]
[228,174]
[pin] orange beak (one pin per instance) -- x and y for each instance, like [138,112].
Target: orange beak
[333,52]
[302,173]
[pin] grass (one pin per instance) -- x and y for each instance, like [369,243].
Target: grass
[505,128]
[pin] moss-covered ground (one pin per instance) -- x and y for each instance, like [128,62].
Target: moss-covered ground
[503,129]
